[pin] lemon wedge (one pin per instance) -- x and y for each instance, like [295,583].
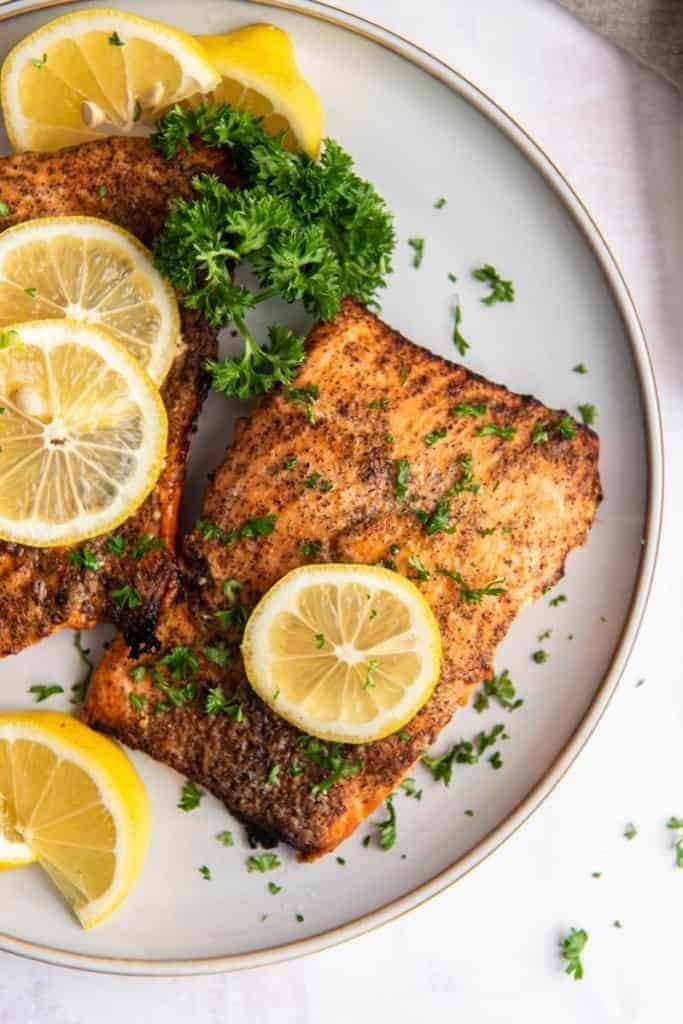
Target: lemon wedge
[73,797]
[260,74]
[91,270]
[94,73]
[348,653]
[82,433]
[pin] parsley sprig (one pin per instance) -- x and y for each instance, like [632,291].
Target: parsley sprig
[312,232]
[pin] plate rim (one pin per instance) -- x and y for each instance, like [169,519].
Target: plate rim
[611,270]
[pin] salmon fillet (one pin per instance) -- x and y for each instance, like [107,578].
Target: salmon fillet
[518,507]
[41,591]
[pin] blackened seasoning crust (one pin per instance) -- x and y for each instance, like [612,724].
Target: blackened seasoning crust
[380,396]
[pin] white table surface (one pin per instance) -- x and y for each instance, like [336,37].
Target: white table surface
[486,950]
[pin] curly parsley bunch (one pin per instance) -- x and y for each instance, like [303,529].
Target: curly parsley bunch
[312,232]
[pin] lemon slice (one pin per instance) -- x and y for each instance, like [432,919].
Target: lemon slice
[348,653]
[260,74]
[82,433]
[78,804]
[90,270]
[94,73]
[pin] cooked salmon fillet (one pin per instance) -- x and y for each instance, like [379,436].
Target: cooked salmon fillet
[129,183]
[518,509]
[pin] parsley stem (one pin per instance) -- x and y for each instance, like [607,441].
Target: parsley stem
[267,293]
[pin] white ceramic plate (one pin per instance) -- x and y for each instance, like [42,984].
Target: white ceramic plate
[419,131]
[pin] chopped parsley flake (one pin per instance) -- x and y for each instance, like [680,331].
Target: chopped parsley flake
[310,548]
[387,828]
[589,414]
[421,571]
[137,702]
[84,559]
[39,62]
[474,595]
[205,873]
[181,661]
[409,787]
[469,409]
[31,292]
[262,862]
[126,597]
[440,203]
[273,779]
[116,40]
[674,822]
[502,689]
[10,339]
[495,760]
[330,759]
[5,210]
[566,427]
[540,433]
[545,635]
[319,641]
[217,703]
[580,368]
[290,463]
[79,690]
[434,436]
[630,832]
[496,430]
[274,888]
[501,291]
[145,544]
[463,752]
[116,546]
[190,797]
[540,657]
[225,838]
[418,247]
[372,666]
[556,601]
[458,340]
[218,654]
[401,478]
[571,948]
[42,692]
[306,396]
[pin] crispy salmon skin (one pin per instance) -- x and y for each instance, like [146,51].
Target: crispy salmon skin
[42,590]
[507,502]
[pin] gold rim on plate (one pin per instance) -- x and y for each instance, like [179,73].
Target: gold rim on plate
[623,299]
